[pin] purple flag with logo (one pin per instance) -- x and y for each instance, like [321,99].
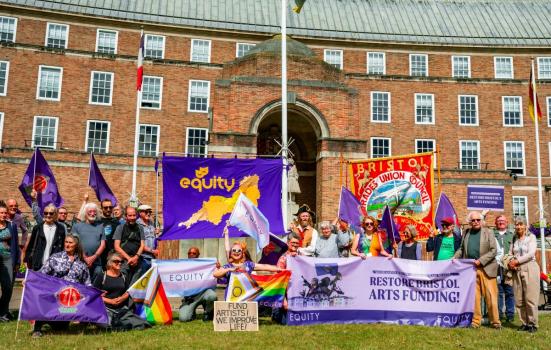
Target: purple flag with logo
[199,194]
[40,176]
[350,208]
[391,232]
[48,298]
[98,183]
[445,209]
[273,251]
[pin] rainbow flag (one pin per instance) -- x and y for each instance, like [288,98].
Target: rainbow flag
[149,294]
[267,290]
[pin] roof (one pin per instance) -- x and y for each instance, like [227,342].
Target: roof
[455,22]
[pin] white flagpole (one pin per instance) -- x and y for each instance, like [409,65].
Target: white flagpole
[538,165]
[157,197]
[133,196]
[284,153]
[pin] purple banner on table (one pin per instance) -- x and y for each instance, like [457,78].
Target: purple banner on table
[485,197]
[200,193]
[380,290]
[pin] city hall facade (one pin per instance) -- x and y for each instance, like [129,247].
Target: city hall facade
[366,79]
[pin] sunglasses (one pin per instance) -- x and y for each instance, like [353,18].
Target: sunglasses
[446,225]
[117,261]
[476,220]
[49,213]
[369,224]
[237,251]
[108,207]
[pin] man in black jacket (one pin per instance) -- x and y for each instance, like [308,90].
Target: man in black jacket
[109,226]
[446,243]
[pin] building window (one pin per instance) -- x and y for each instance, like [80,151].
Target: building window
[426,145]
[520,207]
[106,41]
[4,72]
[45,132]
[152,92]
[200,50]
[199,92]
[154,46]
[376,63]
[380,106]
[461,66]
[97,136]
[149,140]
[49,83]
[242,48]
[380,147]
[470,154]
[418,65]
[512,111]
[424,109]
[544,67]
[196,143]
[503,67]
[1,127]
[8,29]
[333,57]
[514,157]
[57,35]
[101,88]
[468,110]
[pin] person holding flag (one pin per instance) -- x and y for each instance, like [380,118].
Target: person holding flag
[367,243]
[445,244]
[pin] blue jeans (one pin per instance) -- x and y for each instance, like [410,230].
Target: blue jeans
[505,300]
[6,281]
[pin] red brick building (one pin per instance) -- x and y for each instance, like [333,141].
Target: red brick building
[366,79]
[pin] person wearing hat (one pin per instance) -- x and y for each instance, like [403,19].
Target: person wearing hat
[150,232]
[446,243]
[304,228]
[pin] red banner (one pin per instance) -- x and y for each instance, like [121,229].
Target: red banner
[404,183]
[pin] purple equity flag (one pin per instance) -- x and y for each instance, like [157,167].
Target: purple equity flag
[273,251]
[350,208]
[444,210]
[40,177]
[392,233]
[48,298]
[199,194]
[98,183]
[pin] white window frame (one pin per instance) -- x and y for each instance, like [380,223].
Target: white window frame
[525,198]
[55,131]
[40,80]
[477,152]
[189,97]
[381,138]
[434,161]
[459,110]
[158,138]
[237,48]
[1,127]
[145,46]
[503,112]
[539,65]
[389,107]
[160,93]
[341,63]
[48,29]
[206,140]
[433,109]
[14,27]
[110,89]
[384,62]
[116,38]
[191,51]
[512,67]
[88,130]
[468,65]
[426,64]
[523,156]
[5,92]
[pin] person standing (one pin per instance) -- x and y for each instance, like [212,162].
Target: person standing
[90,232]
[328,244]
[14,215]
[342,229]
[150,233]
[446,243]
[9,260]
[409,248]
[109,226]
[506,297]
[118,214]
[308,235]
[480,245]
[526,275]
[129,243]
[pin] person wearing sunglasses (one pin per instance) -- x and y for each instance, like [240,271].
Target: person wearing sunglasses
[46,239]
[37,213]
[110,224]
[115,296]
[445,244]
[367,243]
[9,260]
[479,244]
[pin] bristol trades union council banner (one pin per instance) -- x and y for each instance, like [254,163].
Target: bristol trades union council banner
[381,290]
[404,183]
[199,194]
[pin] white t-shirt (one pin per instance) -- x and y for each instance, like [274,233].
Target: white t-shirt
[49,232]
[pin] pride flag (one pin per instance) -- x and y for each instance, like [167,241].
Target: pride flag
[267,290]
[149,293]
[533,104]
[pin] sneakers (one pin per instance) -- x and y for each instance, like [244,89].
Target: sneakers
[523,328]
[532,329]
[4,319]
[37,334]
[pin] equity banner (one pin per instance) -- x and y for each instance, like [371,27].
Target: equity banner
[404,183]
[381,290]
[200,194]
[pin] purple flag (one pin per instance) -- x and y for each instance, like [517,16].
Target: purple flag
[445,210]
[350,208]
[391,232]
[199,194]
[273,251]
[40,176]
[48,298]
[98,183]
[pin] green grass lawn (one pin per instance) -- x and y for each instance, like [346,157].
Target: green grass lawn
[200,335]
